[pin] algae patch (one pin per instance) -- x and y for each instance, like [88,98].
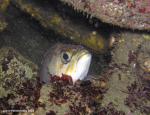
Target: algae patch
[17,77]
[129,81]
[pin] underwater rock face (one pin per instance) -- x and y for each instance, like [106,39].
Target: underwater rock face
[3,6]
[3,25]
[61,97]
[128,82]
[75,31]
[134,14]
[123,88]
[18,81]
[143,61]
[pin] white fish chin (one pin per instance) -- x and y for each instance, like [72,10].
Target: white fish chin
[82,67]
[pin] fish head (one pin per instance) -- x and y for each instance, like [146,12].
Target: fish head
[71,60]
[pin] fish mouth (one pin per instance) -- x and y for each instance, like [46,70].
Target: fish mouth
[84,53]
[83,65]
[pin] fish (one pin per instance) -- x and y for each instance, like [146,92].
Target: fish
[65,59]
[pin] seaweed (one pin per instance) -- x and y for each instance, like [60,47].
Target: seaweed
[138,97]
[81,97]
[19,89]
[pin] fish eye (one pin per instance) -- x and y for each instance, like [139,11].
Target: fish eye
[66,57]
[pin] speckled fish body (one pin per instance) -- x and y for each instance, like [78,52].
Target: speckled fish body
[72,60]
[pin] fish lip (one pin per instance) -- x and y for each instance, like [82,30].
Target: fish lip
[83,64]
[83,53]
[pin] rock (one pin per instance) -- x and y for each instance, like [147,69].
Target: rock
[3,25]
[18,80]
[75,31]
[62,97]
[119,88]
[143,62]
[127,14]
[128,86]
[3,7]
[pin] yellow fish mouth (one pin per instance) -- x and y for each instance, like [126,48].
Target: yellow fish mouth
[80,70]
[84,65]
[84,53]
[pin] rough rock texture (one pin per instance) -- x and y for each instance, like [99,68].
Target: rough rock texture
[128,84]
[3,7]
[134,14]
[24,35]
[118,88]
[27,37]
[18,81]
[75,30]
[84,97]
